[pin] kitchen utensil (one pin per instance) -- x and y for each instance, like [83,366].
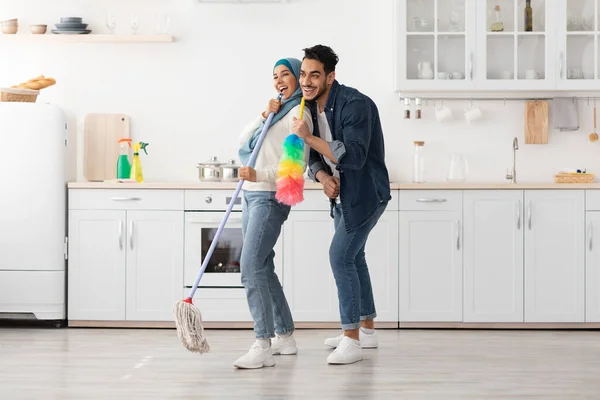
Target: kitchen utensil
[594,135]
[458,169]
[230,172]
[210,171]
[38,29]
[536,122]
[188,319]
[101,150]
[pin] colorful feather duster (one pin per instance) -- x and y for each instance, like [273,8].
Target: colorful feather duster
[290,182]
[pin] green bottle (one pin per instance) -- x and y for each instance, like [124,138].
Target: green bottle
[123,164]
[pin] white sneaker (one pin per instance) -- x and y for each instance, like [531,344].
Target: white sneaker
[367,340]
[347,352]
[258,357]
[284,345]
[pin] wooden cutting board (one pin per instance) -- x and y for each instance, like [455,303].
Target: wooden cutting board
[101,147]
[536,122]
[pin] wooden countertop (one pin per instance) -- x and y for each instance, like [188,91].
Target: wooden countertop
[309,185]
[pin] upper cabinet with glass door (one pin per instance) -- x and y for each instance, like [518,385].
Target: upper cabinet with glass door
[578,45]
[515,45]
[435,46]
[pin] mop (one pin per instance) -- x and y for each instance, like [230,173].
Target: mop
[188,318]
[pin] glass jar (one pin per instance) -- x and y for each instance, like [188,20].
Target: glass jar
[418,163]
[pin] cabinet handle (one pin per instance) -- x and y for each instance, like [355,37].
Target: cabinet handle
[471,65]
[457,235]
[120,235]
[590,234]
[561,64]
[529,214]
[126,198]
[131,235]
[519,215]
[212,221]
[431,200]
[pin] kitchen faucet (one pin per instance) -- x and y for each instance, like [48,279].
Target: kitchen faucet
[513,177]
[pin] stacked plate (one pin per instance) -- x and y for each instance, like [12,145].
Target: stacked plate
[71,26]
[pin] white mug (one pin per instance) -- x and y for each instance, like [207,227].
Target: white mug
[443,113]
[507,75]
[458,75]
[533,74]
[444,75]
[472,113]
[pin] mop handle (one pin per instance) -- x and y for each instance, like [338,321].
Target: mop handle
[232,202]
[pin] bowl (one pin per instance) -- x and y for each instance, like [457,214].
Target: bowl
[38,29]
[76,20]
[13,21]
[10,29]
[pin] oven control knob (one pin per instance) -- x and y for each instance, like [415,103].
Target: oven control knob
[209,200]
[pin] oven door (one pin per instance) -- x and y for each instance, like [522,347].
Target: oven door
[223,269]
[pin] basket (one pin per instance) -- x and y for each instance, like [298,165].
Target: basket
[573,178]
[18,95]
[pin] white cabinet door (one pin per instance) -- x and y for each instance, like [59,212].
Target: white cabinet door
[97,254]
[434,45]
[431,266]
[493,256]
[515,59]
[554,256]
[577,50]
[154,264]
[592,267]
[308,282]
[381,253]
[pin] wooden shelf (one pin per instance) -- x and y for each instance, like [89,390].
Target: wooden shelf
[90,38]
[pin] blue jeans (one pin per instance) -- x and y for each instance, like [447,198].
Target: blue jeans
[262,218]
[350,270]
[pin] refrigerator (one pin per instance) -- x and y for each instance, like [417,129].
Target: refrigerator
[33,193]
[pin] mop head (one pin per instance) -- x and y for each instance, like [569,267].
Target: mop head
[290,184]
[188,321]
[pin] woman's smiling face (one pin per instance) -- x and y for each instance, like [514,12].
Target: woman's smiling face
[284,81]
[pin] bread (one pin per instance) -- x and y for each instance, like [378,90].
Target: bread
[41,82]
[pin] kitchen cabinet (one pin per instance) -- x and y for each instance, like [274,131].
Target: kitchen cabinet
[97,265]
[493,256]
[457,40]
[554,256]
[125,256]
[592,267]
[431,256]
[308,282]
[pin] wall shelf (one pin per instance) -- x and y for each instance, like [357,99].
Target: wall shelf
[91,38]
[242,1]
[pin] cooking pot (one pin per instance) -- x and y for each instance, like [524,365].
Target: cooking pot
[230,172]
[210,171]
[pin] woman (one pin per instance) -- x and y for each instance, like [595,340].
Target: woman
[262,218]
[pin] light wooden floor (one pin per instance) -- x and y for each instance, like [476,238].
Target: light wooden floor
[61,364]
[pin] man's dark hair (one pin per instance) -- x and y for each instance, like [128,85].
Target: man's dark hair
[323,54]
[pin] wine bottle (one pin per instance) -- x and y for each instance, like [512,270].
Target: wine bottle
[498,25]
[528,16]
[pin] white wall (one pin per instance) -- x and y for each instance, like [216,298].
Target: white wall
[190,99]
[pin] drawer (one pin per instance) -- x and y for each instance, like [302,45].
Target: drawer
[592,200]
[431,200]
[125,199]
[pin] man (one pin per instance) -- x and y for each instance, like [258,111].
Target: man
[347,157]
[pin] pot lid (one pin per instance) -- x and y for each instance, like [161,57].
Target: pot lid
[213,161]
[232,164]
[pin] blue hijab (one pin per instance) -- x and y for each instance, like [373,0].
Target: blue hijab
[293,65]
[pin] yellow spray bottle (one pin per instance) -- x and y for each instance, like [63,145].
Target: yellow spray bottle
[136,164]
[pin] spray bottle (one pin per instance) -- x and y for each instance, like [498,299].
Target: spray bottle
[123,164]
[136,165]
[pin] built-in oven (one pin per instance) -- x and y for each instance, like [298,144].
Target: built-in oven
[204,211]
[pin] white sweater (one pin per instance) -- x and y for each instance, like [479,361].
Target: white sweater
[269,154]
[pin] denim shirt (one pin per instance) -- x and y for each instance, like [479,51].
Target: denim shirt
[358,146]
